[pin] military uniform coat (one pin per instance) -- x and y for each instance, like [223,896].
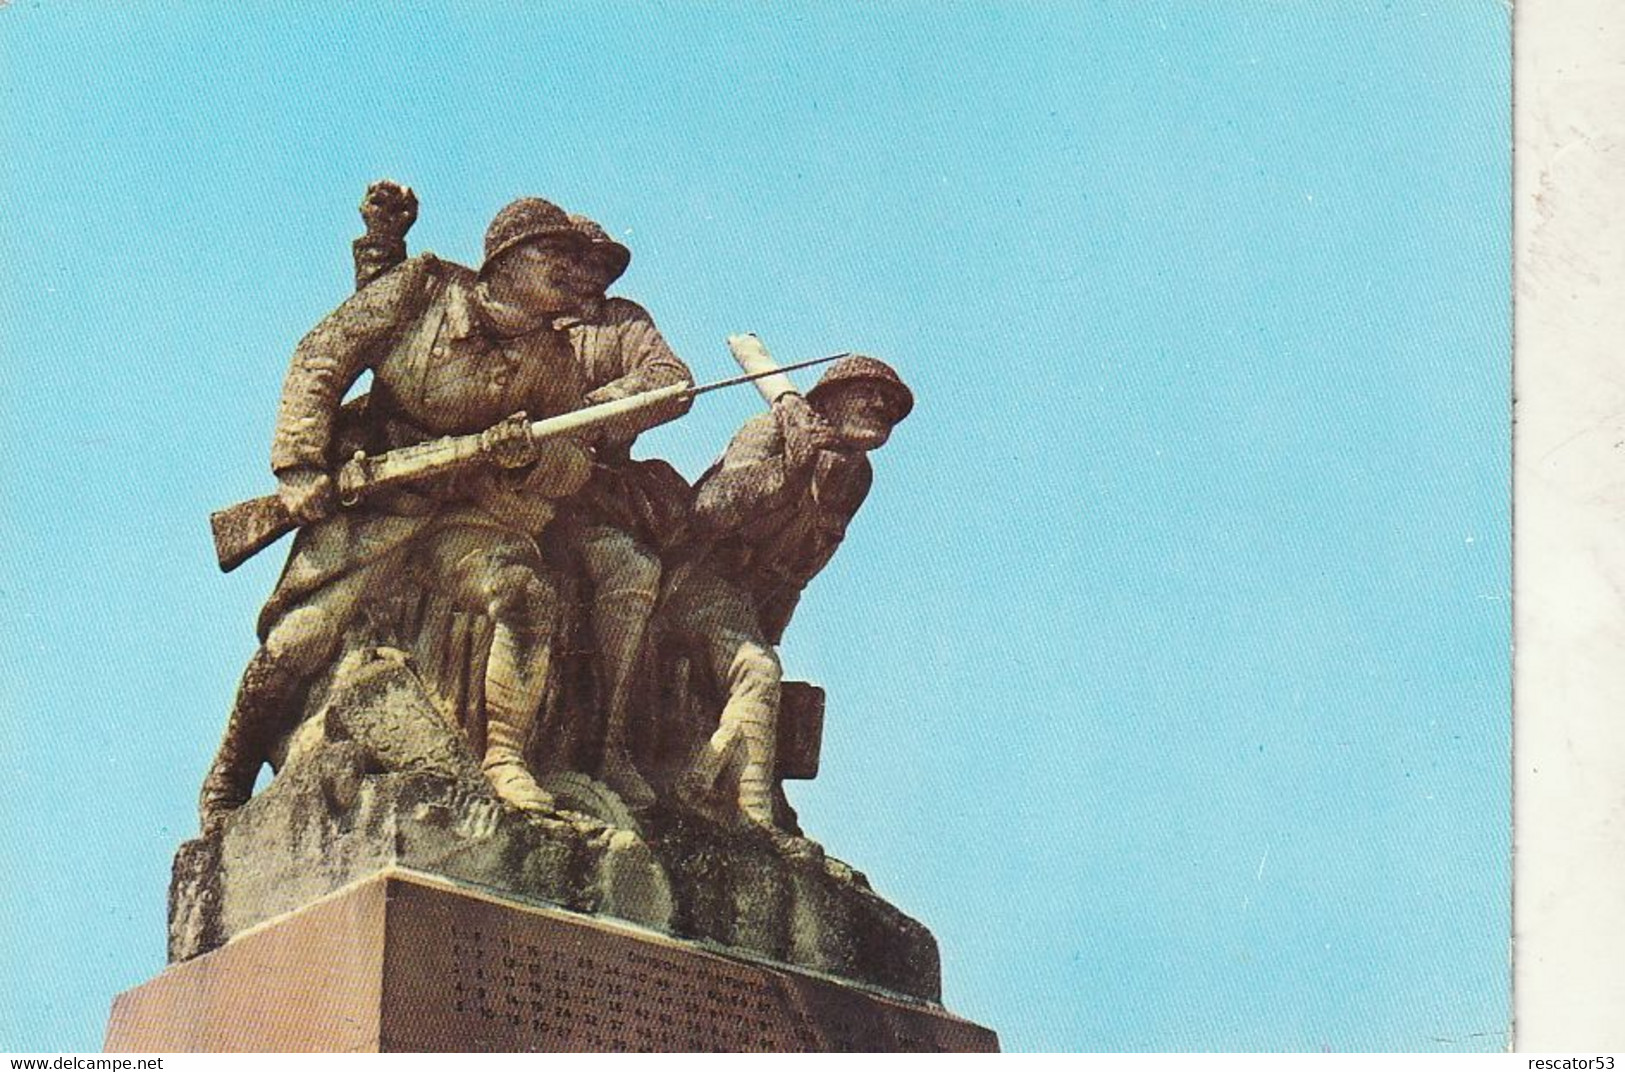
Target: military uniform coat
[439,368]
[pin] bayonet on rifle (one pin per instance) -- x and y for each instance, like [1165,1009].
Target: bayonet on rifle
[247,528]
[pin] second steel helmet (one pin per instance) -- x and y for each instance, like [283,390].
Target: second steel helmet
[860,368]
[610,256]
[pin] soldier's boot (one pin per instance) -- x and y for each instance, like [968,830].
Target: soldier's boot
[756,773]
[304,639]
[696,786]
[745,732]
[757,735]
[230,779]
[621,611]
[515,682]
[756,718]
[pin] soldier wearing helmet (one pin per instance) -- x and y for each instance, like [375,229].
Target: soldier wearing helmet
[451,351]
[629,510]
[768,516]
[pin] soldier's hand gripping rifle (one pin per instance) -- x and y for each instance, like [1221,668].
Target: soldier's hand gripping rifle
[244,530]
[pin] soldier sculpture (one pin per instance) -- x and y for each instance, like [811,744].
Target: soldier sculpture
[629,510]
[712,571]
[767,518]
[451,351]
[505,652]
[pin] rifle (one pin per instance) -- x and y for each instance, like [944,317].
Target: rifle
[247,528]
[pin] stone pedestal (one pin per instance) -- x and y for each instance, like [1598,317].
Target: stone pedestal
[404,961]
[323,828]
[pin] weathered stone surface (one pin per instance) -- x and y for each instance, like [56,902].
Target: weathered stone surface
[378,778]
[814,912]
[406,962]
[677,874]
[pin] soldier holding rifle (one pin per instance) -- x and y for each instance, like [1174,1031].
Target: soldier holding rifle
[451,352]
[629,510]
[444,483]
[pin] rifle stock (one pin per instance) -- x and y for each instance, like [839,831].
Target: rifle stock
[243,530]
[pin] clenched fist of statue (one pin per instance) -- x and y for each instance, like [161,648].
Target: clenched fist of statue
[805,432]
[508,442]
[389,208]
[306,493]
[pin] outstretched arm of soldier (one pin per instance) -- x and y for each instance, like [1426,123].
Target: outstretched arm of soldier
[326,362]
[624,354]
[642,359]
[766,466]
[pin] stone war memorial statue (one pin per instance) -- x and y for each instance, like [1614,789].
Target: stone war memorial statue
[521,695]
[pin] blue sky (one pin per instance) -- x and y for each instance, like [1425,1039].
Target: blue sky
[1168,661]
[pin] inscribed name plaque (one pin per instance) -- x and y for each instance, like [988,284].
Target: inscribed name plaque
[432,966]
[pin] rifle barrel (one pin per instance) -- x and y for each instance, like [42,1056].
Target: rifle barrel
[751,377]
[242,530]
